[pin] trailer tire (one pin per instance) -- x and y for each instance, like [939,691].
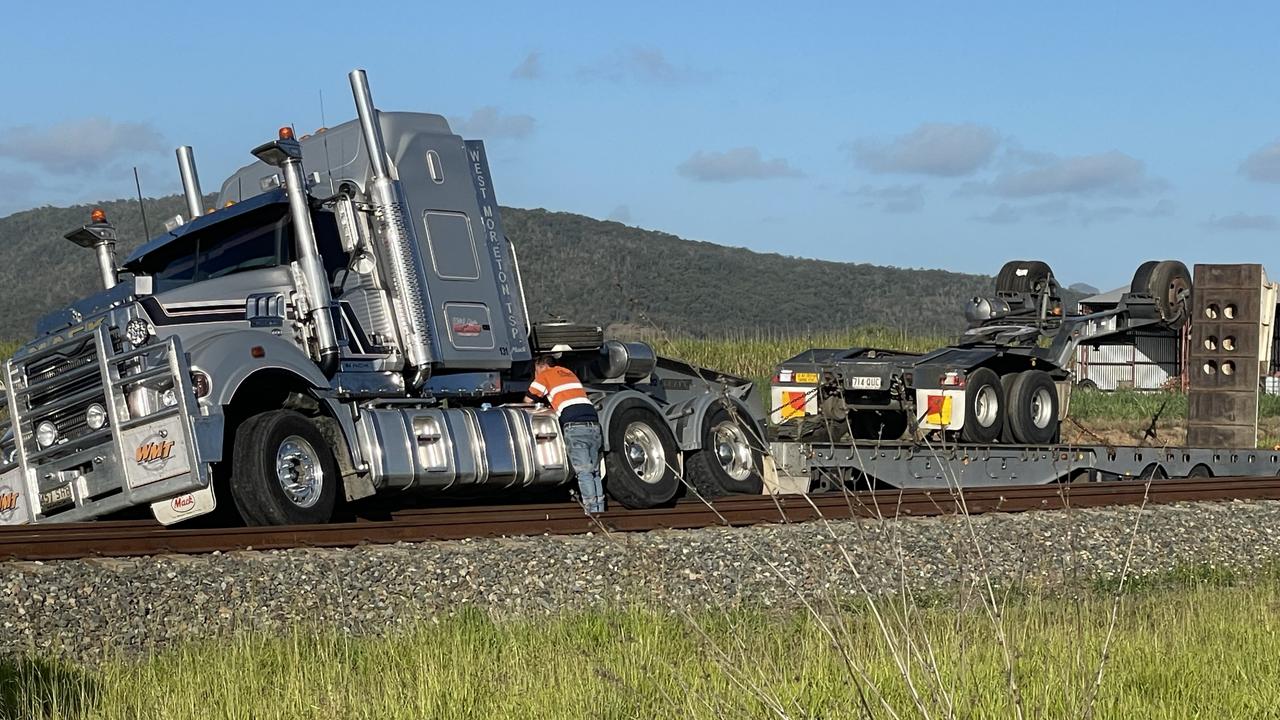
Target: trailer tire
[276,449]
[1023,276]
[1006,386]
[1142,277]
[1032,412]
[984,412]
[640,468]
[1169,279]
[731,459]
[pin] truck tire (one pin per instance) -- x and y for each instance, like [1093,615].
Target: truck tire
[1023,276]
[1169,279]
[641,466]
[283,472]
[983,407]
[1142,277]
[1006,387]
[1032,410]
[731,459]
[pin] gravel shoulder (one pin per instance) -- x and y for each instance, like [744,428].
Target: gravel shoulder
[81,608]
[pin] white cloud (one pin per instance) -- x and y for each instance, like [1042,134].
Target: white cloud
[939,149]
[1106,174]
[1263,164]
[744,163]
[644,65]
[77,146]
[1241,221]
[897,199]
[530,68]
[489,122]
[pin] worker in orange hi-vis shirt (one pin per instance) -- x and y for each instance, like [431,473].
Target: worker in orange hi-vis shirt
[559,387]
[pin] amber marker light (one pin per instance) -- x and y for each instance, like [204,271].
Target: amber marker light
[98,215]
[286,133]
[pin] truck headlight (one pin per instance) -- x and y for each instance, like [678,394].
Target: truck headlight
[95,417]
[46,434]
[137,331]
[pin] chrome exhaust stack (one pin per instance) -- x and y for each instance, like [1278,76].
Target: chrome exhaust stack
[286,154]
[399,243]
[101,236]
[190,181]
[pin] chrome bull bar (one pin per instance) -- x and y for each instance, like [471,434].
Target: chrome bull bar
[147,451]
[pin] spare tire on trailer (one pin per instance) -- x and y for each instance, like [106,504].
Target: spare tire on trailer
[1031,413]
[1023,276]
[643,460]
[731,459]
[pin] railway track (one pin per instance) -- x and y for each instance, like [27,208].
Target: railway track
[135,538]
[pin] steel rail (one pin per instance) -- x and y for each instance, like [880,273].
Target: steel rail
[136,538]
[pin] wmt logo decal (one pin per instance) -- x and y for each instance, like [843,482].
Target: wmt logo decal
[154,452]
[8,502]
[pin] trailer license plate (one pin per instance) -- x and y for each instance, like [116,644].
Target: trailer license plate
[56,497]
[864,383]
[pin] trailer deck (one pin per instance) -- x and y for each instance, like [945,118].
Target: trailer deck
[830,466]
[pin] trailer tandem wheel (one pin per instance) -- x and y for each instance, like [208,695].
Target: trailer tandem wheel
[984,411]
[1031,413]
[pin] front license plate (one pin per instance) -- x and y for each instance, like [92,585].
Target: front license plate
[864,383]
[56,497]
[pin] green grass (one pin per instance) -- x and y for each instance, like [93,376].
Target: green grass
[756,355]
[1185,648]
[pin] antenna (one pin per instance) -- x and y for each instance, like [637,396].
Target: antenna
[146,230]
[328,165]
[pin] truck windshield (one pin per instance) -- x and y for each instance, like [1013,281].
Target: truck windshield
[222,251]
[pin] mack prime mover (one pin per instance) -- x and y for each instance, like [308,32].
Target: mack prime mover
[357,326]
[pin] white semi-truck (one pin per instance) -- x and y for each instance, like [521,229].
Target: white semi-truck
[356,325]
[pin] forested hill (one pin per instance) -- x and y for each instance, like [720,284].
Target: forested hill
[573,266]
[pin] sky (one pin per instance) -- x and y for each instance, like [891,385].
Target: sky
[1093,136]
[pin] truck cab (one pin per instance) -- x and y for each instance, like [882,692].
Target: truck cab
[356,324]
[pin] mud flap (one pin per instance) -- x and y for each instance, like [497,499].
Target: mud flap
[184,507]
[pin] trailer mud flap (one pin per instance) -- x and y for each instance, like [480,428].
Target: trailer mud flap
[940,409]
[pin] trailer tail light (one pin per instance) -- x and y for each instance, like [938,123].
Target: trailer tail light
[952,379]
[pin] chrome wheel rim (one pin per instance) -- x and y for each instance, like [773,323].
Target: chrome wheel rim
[986,405]
[299,472]
[644,452]
[732,450]
[1041,408]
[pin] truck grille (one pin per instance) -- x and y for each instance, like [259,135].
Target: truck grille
[60,386]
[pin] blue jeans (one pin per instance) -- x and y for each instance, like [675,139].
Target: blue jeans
[584,441]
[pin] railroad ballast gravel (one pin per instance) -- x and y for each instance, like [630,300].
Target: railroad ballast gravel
[77,608]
